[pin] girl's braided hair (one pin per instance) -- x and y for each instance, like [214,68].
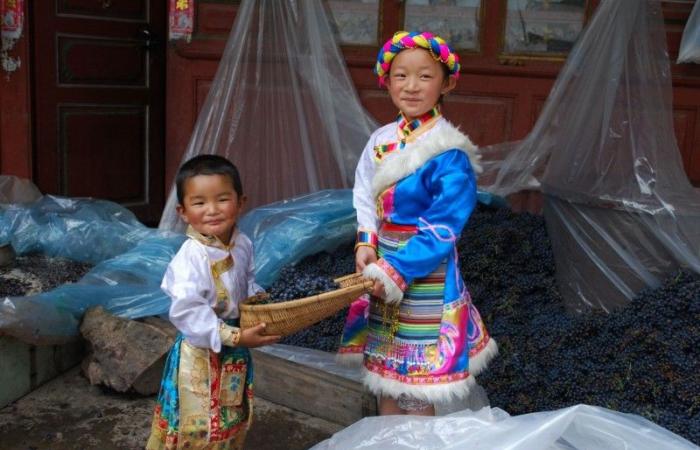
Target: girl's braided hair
[438,48]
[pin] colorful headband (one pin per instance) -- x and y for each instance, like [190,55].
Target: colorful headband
[436,45]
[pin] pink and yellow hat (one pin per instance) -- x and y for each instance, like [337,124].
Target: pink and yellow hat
[402,40]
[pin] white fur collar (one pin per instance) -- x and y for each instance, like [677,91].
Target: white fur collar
[399,164]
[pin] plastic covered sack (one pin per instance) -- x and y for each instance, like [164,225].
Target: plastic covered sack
[285,232]
[689,51]
[580,427]
[80,229]
[131,260]
[127,285]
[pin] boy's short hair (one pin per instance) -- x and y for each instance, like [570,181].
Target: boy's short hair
[207,165]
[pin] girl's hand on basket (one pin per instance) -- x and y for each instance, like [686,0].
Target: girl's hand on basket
[378,289]
[255,337]
[364,256]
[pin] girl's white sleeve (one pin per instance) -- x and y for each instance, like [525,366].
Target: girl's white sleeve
[189,284]
[362,196]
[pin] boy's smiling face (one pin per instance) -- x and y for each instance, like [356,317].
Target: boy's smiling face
[211,205]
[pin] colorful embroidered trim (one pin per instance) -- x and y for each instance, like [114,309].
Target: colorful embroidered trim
[393,274]
[381,370]
[407,131]
[366,238]
[380,151]
[438,48]
[406,126]
[229,335]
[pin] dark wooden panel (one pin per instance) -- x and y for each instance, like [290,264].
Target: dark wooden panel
[685,122]
[214,19]
[113,62]
[487,120]
[378,103]
[98,158]
[537,106]
[202,86]
[113,9]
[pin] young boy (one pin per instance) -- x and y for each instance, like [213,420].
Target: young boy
[205,399]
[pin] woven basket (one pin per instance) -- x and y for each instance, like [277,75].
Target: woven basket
[288,317]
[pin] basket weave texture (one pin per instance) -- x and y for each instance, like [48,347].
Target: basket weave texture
[288,317]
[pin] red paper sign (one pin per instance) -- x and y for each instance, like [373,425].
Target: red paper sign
[12,12]
[180,19]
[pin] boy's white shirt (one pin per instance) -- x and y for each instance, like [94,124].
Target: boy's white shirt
[189,284]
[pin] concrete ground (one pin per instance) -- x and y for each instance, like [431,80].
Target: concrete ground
[68,413]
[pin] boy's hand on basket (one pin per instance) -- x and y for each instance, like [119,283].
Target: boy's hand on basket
[364,256]
[256,337]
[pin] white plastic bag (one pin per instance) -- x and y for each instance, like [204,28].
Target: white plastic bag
[580,427]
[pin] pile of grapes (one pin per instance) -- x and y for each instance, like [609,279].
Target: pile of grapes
[34,273]
[311,276]
[293,284]
[642,359]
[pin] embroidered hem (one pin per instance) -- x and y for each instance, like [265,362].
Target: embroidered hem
[434,389]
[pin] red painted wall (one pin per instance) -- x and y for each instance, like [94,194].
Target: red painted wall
[15,114]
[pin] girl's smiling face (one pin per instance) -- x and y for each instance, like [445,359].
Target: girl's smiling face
[211,205]
[416,81]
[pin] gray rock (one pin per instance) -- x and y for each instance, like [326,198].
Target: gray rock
[125,355]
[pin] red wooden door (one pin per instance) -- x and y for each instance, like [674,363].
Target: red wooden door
[99,89]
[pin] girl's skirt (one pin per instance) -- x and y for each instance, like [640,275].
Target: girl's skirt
[205,399]
[426,348]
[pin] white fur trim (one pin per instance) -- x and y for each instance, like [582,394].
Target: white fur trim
[393,292]
[350,359]
[478,363]
[438,393]
[399,164]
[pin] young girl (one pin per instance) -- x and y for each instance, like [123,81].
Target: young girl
[421,338]
[205,399]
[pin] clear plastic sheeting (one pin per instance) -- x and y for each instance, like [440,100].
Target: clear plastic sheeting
[285,232]
[689,51]
[282,106]
[619,207]
[17,190]
[580,427]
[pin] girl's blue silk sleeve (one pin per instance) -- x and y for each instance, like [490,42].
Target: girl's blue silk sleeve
[452,185]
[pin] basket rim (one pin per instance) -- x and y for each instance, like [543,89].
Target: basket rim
[364,286]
